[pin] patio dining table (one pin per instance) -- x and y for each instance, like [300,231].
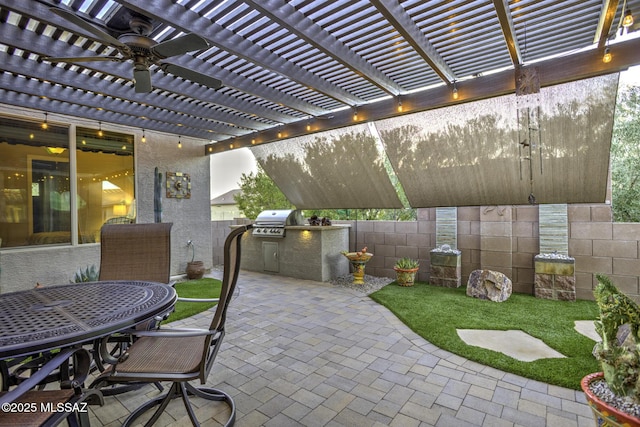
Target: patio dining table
[53,317]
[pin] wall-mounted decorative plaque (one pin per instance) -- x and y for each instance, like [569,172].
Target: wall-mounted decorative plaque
[178,185]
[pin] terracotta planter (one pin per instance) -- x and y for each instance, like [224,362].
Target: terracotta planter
[605,414]
[405,277]
[195,270]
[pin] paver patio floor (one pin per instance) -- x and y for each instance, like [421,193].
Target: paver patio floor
[304,353]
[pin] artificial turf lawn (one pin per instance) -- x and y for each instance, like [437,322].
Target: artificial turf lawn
[435,313]
[199,288]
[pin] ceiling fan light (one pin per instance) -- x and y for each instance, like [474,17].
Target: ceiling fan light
[55,150]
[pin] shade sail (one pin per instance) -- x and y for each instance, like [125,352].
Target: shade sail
[554,144]
[343,168]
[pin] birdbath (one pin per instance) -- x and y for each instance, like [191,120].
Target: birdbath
[358,261]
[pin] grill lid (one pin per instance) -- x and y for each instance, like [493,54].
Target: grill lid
[278,218]
[271,223]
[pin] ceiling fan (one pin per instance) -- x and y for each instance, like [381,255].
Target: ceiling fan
[137,46]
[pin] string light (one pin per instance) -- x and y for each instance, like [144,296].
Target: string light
[400,108]
[455,90]
[308,127]
[355,114]
[627,21]
[45,124]
[100,133]
[144,138]
[606,58]
[179,141]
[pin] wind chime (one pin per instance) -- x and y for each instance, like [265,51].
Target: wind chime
[528,117]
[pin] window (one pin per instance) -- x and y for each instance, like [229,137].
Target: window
[36,195]
[105,181]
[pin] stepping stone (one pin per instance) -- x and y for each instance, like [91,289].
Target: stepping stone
[516,344]
[588,329]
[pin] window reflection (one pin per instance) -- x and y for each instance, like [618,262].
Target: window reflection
[105,180]
[35,187]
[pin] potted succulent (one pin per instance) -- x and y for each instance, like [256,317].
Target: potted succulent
[406,269]
[195,269]
[89,274]
[614,393]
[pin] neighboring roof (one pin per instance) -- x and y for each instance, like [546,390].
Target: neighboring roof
[226,198]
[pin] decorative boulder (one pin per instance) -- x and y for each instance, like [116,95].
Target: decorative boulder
[488,284]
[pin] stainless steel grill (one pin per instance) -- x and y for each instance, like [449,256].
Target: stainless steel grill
[272,223]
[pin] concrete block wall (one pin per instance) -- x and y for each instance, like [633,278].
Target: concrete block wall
[602,246]
[389,241]
[597,243]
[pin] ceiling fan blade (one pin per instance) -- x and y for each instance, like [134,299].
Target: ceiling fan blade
[180,45]
[69,16]
[81,58]
[142,78]
[191,75]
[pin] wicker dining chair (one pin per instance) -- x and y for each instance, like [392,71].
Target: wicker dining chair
[136,252]
[30,400]
[182,355]
[133,252]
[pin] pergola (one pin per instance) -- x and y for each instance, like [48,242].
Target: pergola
[291,68]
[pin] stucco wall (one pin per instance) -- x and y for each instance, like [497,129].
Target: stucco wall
[22,268]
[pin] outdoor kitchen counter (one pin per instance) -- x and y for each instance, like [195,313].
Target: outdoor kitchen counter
[306,252]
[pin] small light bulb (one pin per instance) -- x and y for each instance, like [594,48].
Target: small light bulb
[455,93]
[606,58]
[627,21]
[144,138]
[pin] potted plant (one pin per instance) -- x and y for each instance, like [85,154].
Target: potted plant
[406,269]
[195,269]
[89,274]
[614,393]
